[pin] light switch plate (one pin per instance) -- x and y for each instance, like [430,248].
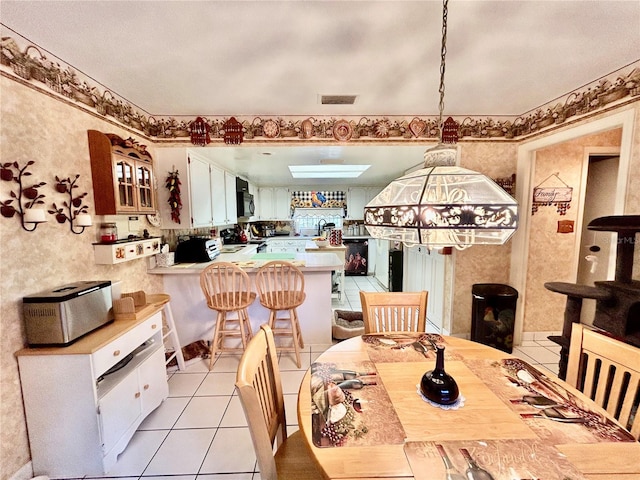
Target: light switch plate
[134,224]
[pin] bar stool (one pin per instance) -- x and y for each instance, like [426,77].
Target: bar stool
[169,334]
[227,289]
[280,285]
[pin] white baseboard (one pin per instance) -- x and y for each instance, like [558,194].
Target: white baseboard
[25,472]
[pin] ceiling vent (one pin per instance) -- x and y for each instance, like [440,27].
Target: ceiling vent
[338,99]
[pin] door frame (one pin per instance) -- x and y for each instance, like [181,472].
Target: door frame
[524,186]
[589,152]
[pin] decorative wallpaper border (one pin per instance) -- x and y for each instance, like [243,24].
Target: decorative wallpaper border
[39,69]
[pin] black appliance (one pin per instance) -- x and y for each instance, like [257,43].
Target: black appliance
[197,250]
[245,203]
[231,236]
[494,315]
[356,256]
[396,270]
[246,206]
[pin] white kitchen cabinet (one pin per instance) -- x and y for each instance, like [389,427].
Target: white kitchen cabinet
[79,416]
[286,245]
[371,256]
[231,201]
[357,199]
[274,203]
[200,193]
[207,191]
[283,203]
[195,188]
[265,203]
[382,262]
[218,195]
[425,270]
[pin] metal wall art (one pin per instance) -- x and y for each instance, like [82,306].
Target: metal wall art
[199,130]
[30,217]
[233,134]
[558,196]
[72,210]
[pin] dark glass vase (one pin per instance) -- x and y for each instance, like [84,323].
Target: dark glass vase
[437,385]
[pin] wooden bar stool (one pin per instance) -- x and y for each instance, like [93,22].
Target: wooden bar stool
[227,289]
[169,335]
[280,285]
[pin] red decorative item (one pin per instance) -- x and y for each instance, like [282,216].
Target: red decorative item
[450,131]
[232,132]
[175,202]
[199,130]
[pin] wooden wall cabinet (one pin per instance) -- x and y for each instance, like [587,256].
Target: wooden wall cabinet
[79,418]
[123,178]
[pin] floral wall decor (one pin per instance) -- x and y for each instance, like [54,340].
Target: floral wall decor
[26,198]
[72,209]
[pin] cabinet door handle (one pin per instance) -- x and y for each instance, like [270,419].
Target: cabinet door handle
[153,326]
[116,353]
[137,395]
[146,387]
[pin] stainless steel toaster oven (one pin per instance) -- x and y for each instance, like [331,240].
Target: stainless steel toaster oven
[62,315]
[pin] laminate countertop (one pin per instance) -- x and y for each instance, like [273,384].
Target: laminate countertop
[307,262]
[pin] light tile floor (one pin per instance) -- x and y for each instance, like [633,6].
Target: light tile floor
[200,432]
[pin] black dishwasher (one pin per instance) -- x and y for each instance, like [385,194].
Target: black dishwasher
[356,256]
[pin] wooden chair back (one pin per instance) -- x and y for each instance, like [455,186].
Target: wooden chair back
[394,311]
[280,285]
[259,387]
[607,371]
[226,287]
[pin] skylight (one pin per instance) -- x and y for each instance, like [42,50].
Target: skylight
[327,171]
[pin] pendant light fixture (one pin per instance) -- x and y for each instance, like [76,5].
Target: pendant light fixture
[442,204]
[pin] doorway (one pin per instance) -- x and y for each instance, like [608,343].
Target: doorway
[595,255]
[522,241]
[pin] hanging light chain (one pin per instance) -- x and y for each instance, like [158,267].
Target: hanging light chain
[443,54]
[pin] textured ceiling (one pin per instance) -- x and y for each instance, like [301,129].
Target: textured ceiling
[277,57]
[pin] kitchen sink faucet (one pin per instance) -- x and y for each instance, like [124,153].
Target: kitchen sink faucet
[320,224]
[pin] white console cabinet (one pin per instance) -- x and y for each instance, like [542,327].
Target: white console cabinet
[80,416]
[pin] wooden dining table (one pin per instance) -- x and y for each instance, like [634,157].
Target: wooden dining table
[363,416]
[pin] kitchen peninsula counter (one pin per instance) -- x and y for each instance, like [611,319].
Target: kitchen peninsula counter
[195,321]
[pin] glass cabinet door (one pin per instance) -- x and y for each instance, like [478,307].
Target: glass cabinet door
[145,186]
[125,184]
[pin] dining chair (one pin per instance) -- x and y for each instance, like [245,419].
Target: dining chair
[394,311]
[608,372]
[227,290]
[280,285]
[259,388]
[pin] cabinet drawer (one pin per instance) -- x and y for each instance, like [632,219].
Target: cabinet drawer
[111,354]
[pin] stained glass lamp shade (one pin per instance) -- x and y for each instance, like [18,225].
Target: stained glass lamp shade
[442,205]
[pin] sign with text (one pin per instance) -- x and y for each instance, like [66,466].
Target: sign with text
[552,194]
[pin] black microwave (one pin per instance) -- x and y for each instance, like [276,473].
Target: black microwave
[246,206]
